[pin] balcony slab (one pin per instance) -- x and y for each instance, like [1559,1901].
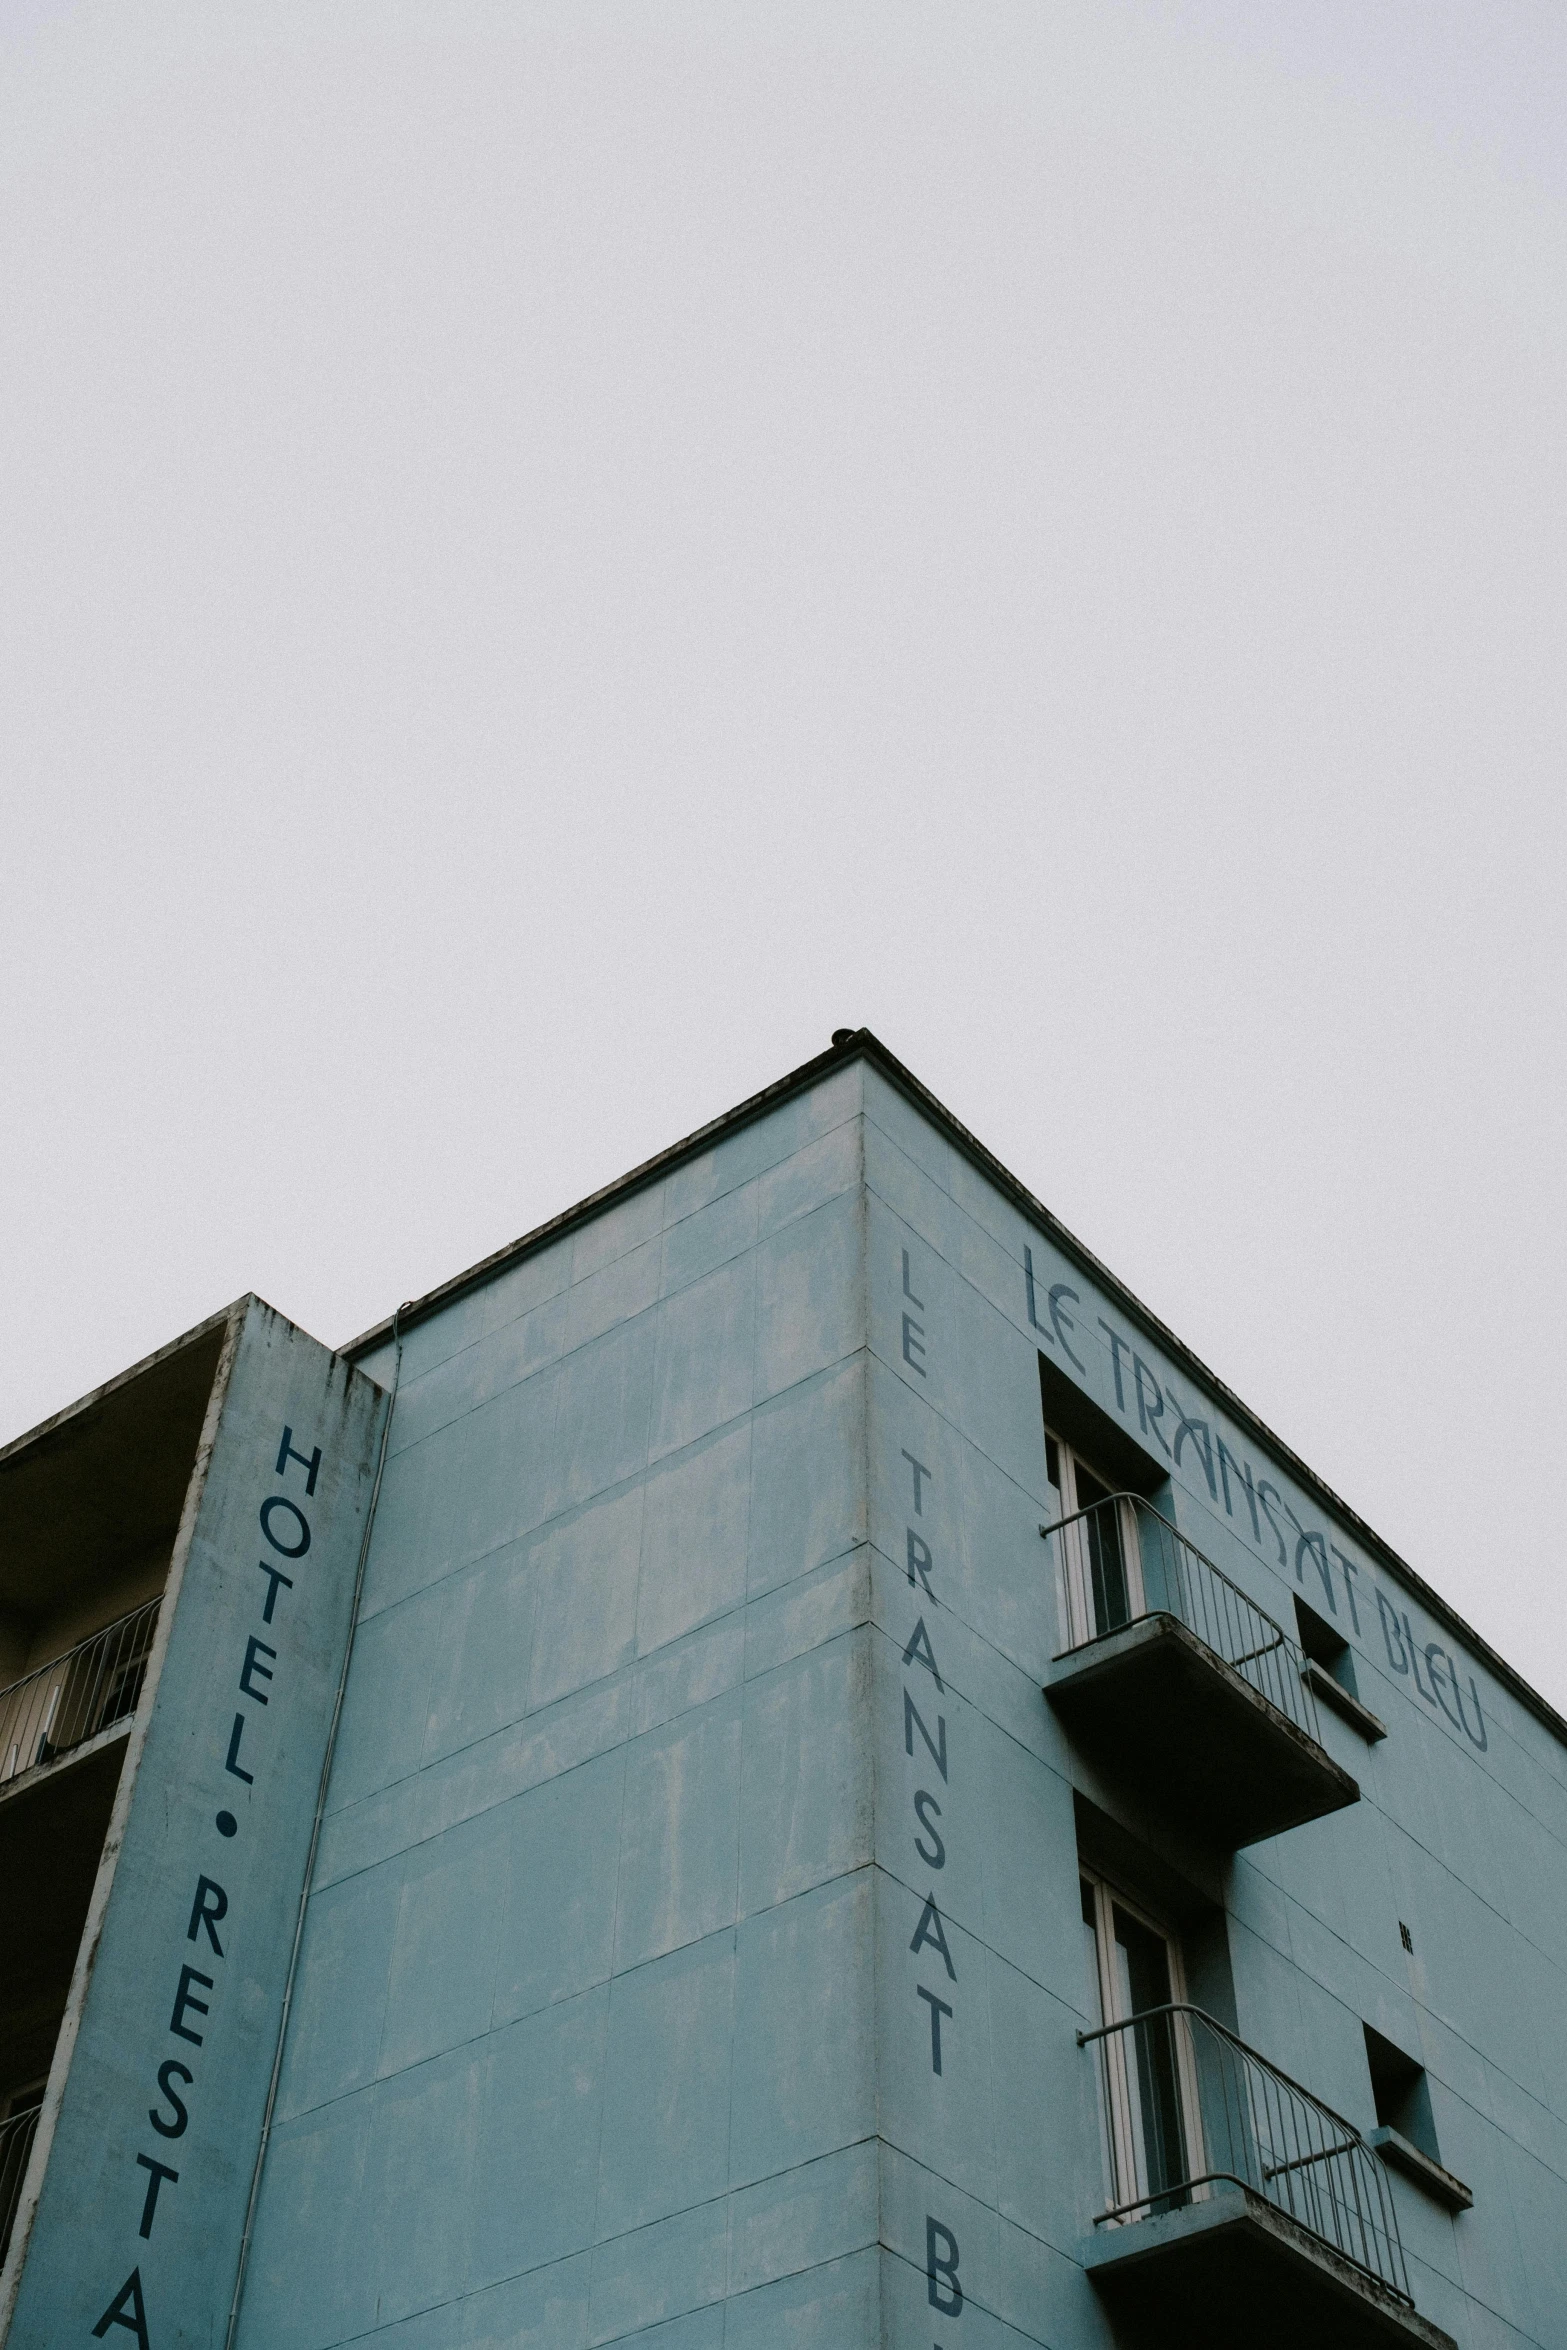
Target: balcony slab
[69,1758]
[1155,1707]
[1230,2272]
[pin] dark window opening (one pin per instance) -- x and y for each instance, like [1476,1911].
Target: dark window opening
[1124,1463]
[1195,1917]
[1402,2094]
[1326,1647]
[1106,1554]
[1141,1959]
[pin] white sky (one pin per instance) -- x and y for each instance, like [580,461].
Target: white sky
[552,555]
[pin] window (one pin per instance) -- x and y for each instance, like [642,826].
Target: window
[1403,2099]
[1326,1647]
[1097,1555]
[1150,2091]
[1329,1671]
[1405,2134]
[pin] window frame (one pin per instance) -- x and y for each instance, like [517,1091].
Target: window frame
[1075,1609]
[1123,2150]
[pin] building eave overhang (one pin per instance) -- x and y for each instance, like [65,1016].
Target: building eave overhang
[60,1423]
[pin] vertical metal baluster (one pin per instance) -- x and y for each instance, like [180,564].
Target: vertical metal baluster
[1337,2188]
[1368,2204]
[1289,2149]
[1309,2138]
[1355,2227]
[1319,2142]
[1387,2264]
[1356,2230]
[1271,2186]
[1110,2051]
[1235,2073]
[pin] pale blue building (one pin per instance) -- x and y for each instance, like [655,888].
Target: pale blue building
[850,1792]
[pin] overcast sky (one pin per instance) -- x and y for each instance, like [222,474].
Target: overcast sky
[553,555]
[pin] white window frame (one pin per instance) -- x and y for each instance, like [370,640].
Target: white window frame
[1074,1573]
[1121,2124]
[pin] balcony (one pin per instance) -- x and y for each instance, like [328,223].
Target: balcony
[73,1703]
[1241,2209]
[1178,1685]
[16,2144]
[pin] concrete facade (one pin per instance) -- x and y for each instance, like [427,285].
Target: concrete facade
[694,1952]
[142,2157]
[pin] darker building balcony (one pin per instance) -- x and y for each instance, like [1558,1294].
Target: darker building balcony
[91,1504]
[1179,1686]
[78,1701]
[1241,2209]
[63,1733]
[17,2131]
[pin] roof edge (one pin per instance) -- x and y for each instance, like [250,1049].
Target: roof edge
[863,1043]
[757,1105]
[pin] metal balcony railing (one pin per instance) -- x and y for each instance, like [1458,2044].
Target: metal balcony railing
[16,2144]
[1186,2108]
[1121,1560]
[70,1700]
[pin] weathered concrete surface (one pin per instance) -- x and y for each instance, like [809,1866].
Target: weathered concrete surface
[186,1949]
[642,1893]
[583,2048]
